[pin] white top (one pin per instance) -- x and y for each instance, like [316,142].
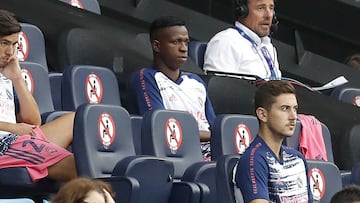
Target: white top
[228,51]
[7,105]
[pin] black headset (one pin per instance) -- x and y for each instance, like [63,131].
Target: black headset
[242,11]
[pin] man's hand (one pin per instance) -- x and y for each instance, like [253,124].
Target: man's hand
[23,129]
[12,69]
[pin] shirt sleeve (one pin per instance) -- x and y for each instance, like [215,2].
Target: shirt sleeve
[146,91]
[251,177]
[221,54]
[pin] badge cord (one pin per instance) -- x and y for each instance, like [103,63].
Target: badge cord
[264,51]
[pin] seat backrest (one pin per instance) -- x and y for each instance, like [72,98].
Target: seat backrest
[55,86]
[224,175]
[31,45]
[89,5]
[173,135]
[232,133]
[325,180]
[37,81]
[196,51]
[103,136]
[88,84]
[136,122]
[203,173]
[293,141]
[349,95]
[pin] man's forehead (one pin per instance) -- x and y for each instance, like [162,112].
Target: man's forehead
[11,38]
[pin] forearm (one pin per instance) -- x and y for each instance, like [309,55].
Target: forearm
[5,126]
[29,111]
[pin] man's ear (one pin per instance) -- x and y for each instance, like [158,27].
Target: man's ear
[155,44]
[261,113]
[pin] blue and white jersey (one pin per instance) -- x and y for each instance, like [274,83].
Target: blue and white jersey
[261,175]
[7,105]
[154,90]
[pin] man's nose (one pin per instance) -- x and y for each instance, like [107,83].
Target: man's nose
[184,46]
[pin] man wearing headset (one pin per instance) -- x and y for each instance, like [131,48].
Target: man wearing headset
[246,48]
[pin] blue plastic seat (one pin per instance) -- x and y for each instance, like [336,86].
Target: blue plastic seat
[103,148]
[196,51]
[232,133]
[88,84]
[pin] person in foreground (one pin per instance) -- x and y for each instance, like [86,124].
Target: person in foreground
[269,171]
[349,194]
[84,190]
[23,142]
[165,86]
[246,48]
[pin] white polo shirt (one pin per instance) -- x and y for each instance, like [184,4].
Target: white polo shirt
[228,51]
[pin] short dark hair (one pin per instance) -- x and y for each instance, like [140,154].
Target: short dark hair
[164,22]
[8,23]
[266,93]
[349,194]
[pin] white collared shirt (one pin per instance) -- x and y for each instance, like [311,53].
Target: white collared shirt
[230,52]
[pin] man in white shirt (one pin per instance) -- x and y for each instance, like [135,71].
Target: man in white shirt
[246,48]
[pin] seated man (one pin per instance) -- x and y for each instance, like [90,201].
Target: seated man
[165,86]
[268,171]
[246,48]
[23,143]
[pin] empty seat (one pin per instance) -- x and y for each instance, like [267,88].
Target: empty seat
[232,133]
[325,180]
[174,135]
[88,84]
[103,148]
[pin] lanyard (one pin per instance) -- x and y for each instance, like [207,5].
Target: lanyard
[264,51]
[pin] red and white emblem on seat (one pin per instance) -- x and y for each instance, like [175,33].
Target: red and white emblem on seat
[23,48]
[173,134]
[29,81]
[94,89]
[76,3]
[317,183]
[107,129]
[242,138]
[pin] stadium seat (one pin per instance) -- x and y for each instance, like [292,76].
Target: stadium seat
[348,94]
[196,51]
[103,148]
[31,45]
[174,135]
[37,81]
[325,180]
[88,84]
[232,133]
[224,178]
[89,5]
